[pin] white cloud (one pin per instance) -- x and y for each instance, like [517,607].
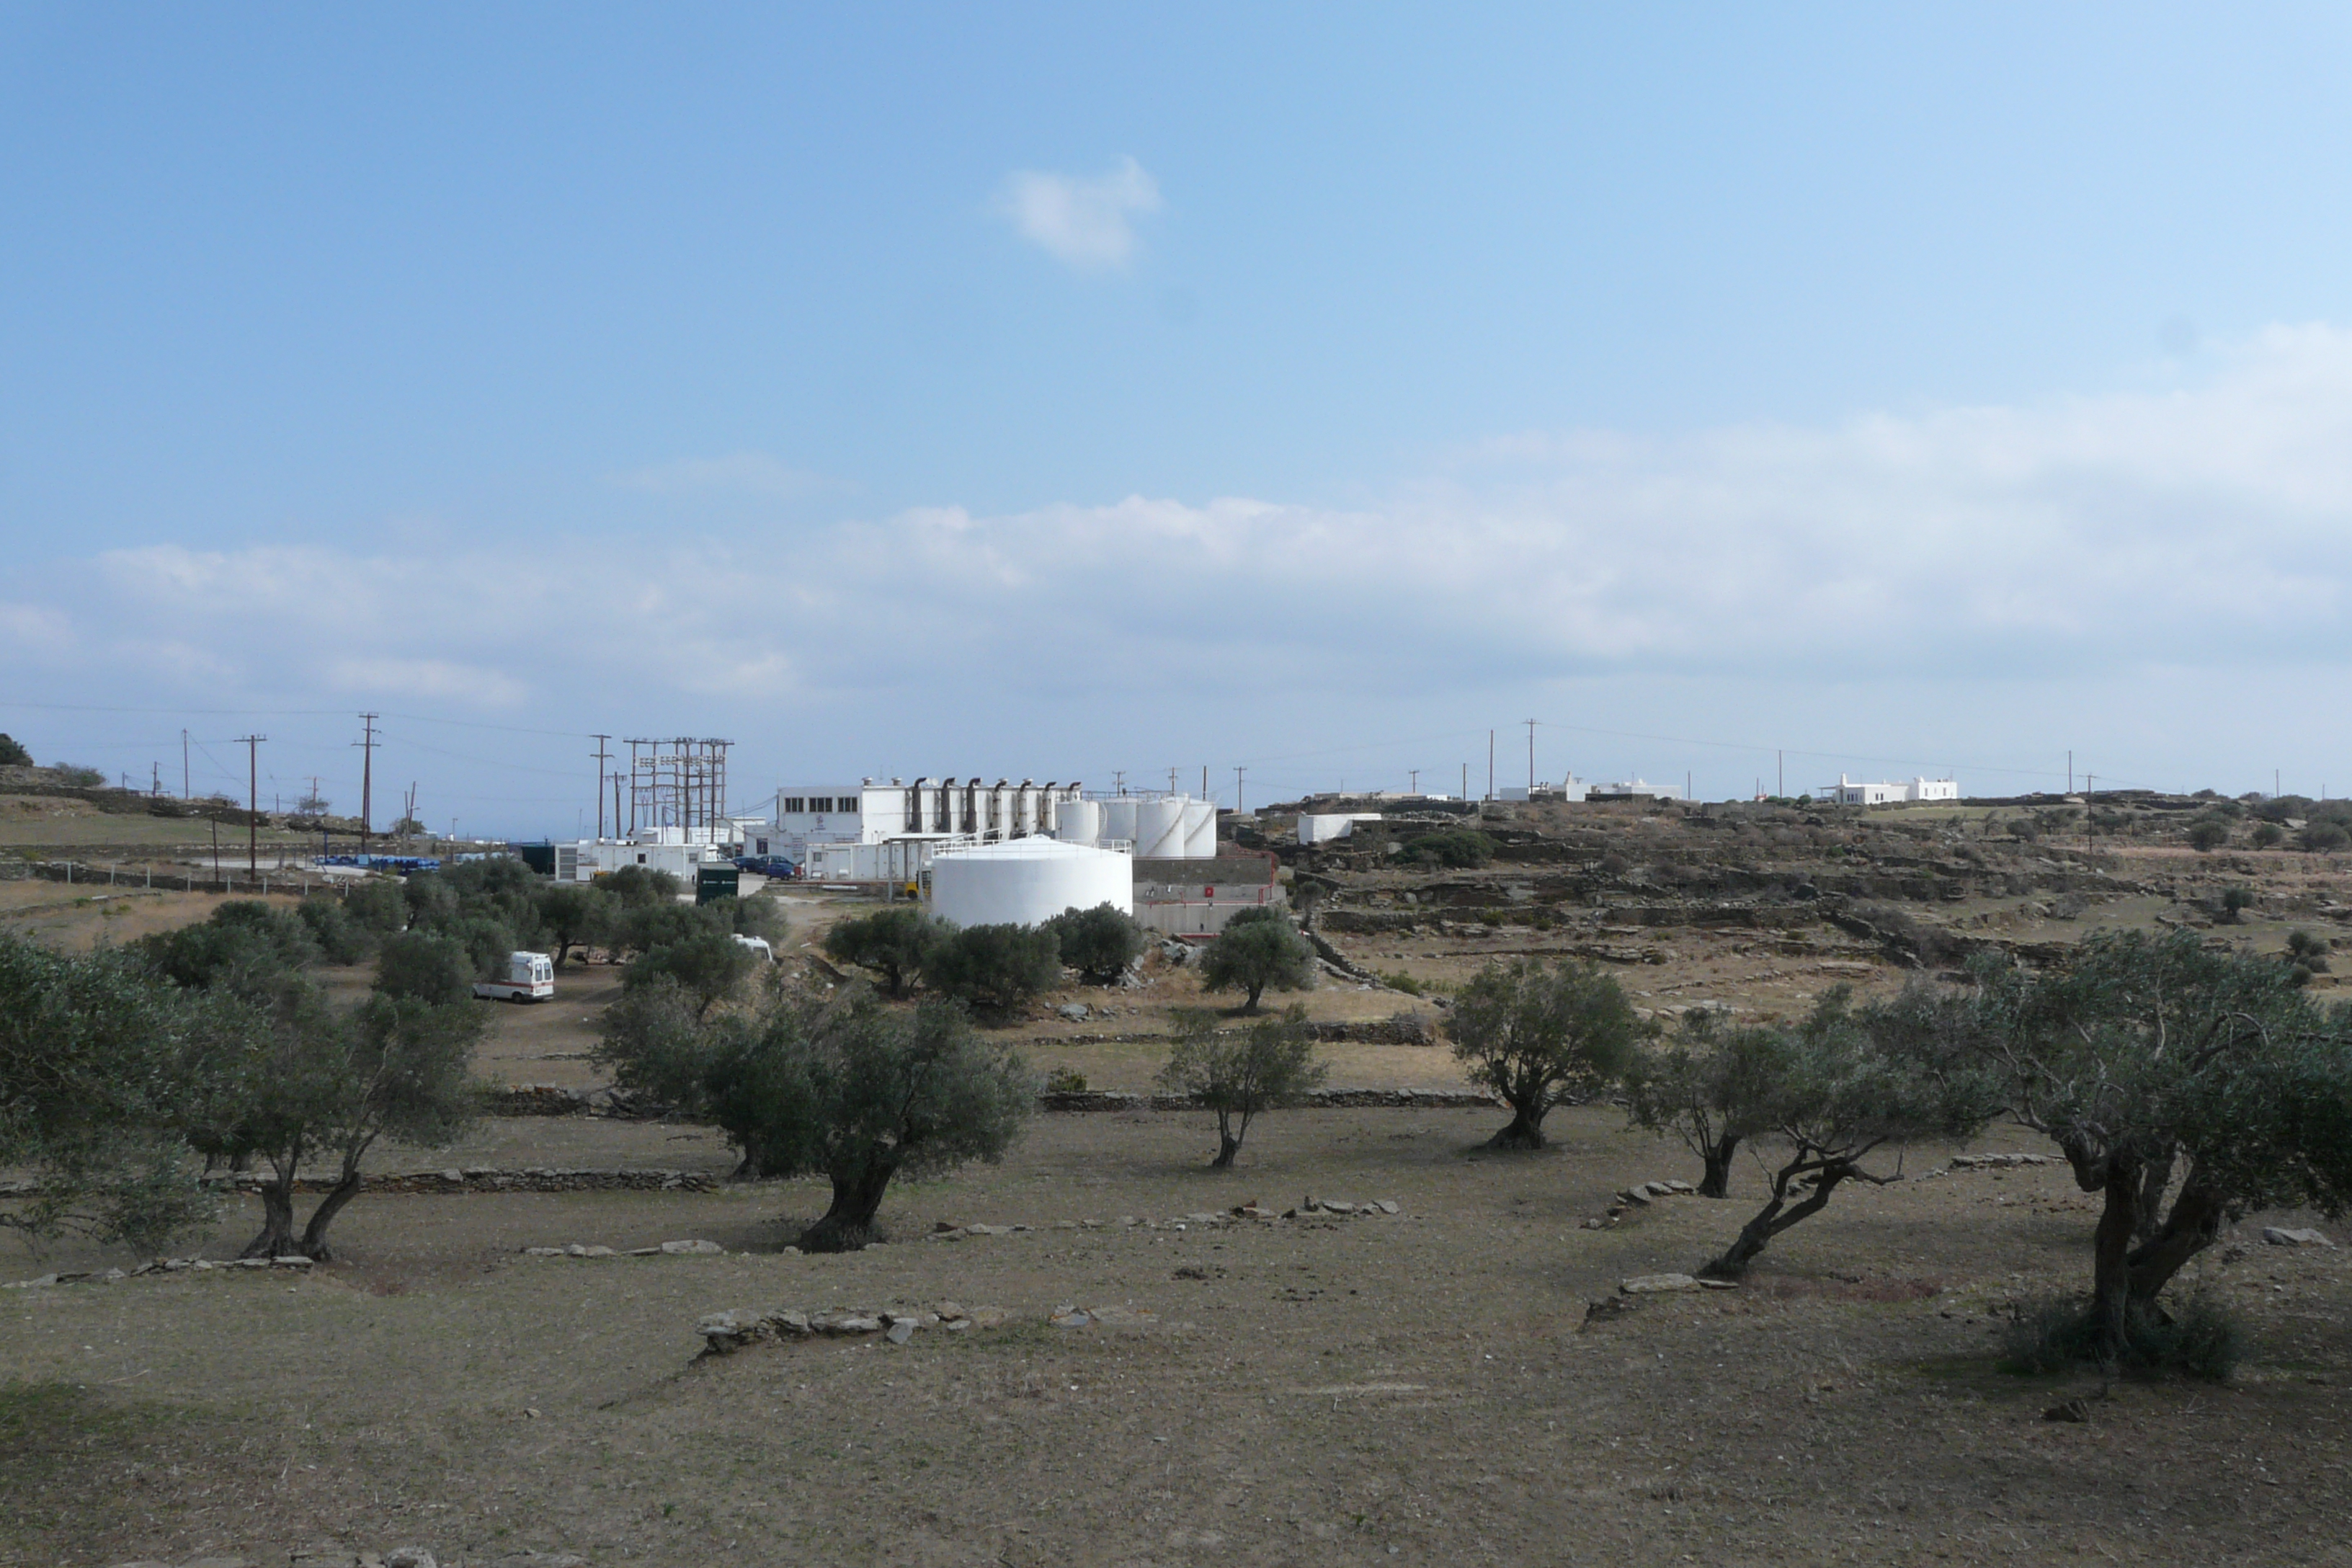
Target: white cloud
[2163,549]
[742,473]
[1081,222]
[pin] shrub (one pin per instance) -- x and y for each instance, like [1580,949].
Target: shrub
[1456,848]
[79,776]
[893,942]
[575,916]
[2323,838]
[1099,943]
[13,754]
[2207,835]
[994,968]
[2266,835]
[1065,1080]
[1258,949]
[2199,1337]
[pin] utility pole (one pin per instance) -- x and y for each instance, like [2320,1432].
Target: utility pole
[1171,781]
[367,778]
[2070,772]
[1465,781]
[156,785]
[1532,762]
[1415,774]
[602,756]
[185,791]
[253,803]
[1780,774]
[1204,781]
[1490,764]
[1237,791]
[1118,780]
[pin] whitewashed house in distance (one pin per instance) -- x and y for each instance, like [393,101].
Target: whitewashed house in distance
[1845,792]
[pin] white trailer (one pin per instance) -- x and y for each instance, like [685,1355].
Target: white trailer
[530,977]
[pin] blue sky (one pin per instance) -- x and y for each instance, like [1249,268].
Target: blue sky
[1054,391]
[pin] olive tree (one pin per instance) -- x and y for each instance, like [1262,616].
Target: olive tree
[574,915]
[2158,1066]
[315,1085]
[708,966]
[99,1063]
[1841,1085]
[1541,1035]
[1258,949]
[994,968]
[861,1093]
[1099,943]
[1711,1087]
[893,942]
[1271,1063]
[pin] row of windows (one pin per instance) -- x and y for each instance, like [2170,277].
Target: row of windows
[819,803]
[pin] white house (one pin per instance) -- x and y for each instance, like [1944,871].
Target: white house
[1847,792]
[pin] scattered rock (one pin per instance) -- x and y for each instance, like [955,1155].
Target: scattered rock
[1071,1317]
[692,1249]
[901,1330]
[1609,1307]
[1076,1012]
[2072,1410]
[1635,1196]
[2277,1237]
[409,1557]
[1657,1284]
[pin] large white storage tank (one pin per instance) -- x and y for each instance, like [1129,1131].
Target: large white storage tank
[1079,822]
[1160,830]
[1118,821]
[1200,830]
[1026,881]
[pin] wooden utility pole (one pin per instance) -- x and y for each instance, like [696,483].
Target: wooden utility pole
[367,777]
[1490,764]
[185,794]
[1532,762]
[1237,790]
[602,756]
[253,804]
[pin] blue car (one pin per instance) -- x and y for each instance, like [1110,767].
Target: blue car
[767,865]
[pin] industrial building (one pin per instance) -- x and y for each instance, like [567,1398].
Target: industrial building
[810,816]
[1847,792]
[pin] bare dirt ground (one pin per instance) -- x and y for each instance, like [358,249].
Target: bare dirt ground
[1418,1388]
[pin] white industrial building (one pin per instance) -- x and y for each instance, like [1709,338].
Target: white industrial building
[1026,881]
[809,815]
[1323,826]
[1847,792]
[1571,788]
[655,848]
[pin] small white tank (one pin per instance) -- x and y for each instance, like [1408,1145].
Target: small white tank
[1160,830]
[1079,822]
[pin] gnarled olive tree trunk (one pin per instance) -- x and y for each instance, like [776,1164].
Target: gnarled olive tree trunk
[1715,1181]
[1777,1213]
[848,1224]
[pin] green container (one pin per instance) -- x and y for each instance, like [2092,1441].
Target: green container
[717,882]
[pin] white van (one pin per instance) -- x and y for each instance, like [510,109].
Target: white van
[530,977]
